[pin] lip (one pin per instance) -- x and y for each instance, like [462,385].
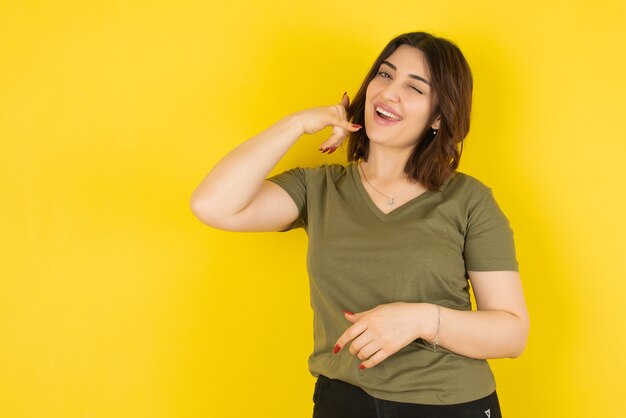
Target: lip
[388,109]
[382,121]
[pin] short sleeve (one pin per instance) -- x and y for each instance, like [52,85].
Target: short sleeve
[489,244]
[293,181]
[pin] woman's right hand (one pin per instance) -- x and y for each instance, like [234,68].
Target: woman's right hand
[315,119]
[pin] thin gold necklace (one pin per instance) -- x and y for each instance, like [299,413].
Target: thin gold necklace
[390,200]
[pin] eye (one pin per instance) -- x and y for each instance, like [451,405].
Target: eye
[384,74]
[415,88]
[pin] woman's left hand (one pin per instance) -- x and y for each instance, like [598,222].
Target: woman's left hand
[385,329]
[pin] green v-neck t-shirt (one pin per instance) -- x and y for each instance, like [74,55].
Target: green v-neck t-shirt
[359,257]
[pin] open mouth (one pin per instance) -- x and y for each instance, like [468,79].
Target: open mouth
[386,115]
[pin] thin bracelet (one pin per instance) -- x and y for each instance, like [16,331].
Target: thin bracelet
[436,343]
[438,326]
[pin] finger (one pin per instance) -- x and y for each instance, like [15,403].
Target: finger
[374,360]
[345,101]
[328,148]
[340,126]
[341,118]
[362,341]
[342,123]
[353,318]
[335,140]
[351,333]
[340,112]
[356,316]
[338,135]
[369,350]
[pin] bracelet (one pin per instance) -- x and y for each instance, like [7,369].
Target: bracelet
[436,342]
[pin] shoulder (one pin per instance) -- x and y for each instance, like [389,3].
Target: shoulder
[305,175]
[474,198]
[326,170]
[466,185]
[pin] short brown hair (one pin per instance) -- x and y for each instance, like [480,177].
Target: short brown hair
[435,156]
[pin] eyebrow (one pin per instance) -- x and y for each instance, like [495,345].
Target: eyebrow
[417,77]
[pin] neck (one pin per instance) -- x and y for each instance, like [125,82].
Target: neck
[385,164]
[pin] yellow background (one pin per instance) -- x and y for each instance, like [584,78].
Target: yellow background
[115,302]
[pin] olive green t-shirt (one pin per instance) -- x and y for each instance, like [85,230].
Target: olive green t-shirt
[359,257]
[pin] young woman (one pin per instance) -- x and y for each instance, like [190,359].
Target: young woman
[395,237]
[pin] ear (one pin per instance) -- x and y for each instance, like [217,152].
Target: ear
[437,123]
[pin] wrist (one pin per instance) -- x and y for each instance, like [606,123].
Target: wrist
[431,323]
[295,122]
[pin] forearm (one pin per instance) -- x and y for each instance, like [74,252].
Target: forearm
[245,168]
[478,334]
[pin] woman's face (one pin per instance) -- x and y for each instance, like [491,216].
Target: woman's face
[399,100]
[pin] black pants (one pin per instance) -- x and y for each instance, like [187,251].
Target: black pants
[337,399]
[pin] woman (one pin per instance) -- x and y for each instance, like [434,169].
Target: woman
[394,237]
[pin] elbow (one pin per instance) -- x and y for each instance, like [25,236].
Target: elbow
[517,351]
[201,211]
[194,205]
[210,216]
[519,345]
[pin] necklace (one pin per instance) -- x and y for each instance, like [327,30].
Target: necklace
[390,200]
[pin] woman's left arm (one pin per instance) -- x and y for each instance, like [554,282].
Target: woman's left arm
[498,328]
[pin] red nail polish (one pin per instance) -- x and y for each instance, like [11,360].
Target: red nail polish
[361,366]
[357,125]
[336,349]
[348,312]
[333,149]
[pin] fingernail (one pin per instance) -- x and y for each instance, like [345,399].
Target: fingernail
[344,94]
[362,366]
[336,349]
[356,126]
[333,149]
[348,312]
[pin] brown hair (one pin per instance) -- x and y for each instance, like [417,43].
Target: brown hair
[435,156]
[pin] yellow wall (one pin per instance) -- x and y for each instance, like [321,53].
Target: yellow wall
[115,302]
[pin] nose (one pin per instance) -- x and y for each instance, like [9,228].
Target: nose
[391,92]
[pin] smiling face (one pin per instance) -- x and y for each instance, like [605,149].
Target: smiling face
[400,100]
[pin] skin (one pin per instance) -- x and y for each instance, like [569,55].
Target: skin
[411,99]
[499,326]
[396,87]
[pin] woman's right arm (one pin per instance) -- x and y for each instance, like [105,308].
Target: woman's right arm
[235,196]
